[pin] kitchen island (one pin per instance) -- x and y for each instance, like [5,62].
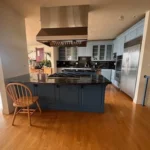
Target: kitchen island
[84,93]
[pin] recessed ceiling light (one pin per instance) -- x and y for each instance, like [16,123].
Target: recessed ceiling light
[121,18]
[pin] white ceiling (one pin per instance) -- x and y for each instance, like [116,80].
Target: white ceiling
[103,22]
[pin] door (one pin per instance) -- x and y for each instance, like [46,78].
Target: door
[39,54]
[129,69]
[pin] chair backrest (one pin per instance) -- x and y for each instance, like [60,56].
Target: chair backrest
[18,91]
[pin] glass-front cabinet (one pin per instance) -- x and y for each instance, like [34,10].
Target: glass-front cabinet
[95,52]
[109,52]
[68,53]
[62,53]
[102,52]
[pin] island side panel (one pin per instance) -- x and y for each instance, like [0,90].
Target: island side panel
[68,97]
[47,95]
[89,98]
[93,97]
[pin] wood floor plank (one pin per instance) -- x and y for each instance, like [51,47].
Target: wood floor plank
[123,126]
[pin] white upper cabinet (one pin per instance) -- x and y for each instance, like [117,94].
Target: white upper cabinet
[68,53]
[89,49]
[109,51]
[135,31]
[81,51]
[140,29]
[132,33]
[120,45]
[95,52]
[85,51]
[115,46]
[101,50]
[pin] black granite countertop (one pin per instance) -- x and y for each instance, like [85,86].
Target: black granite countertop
[43,78]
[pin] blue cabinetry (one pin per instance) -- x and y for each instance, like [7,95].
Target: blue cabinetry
[47,95]
[70,97]
[92,97]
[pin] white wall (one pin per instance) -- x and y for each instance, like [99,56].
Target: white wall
[13,49]
[144,63]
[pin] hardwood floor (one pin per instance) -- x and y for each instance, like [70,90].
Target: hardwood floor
[123,126]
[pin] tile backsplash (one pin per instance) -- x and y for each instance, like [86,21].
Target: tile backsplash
[92,64]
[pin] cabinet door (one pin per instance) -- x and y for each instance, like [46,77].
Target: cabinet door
[62,53]
[116,46]
[67,53]
[46,93]
[106,73]
[89,50]
[102,52]
[81,51]
[95,53]
[71,53]
[113,75]
[109,52]
[68,95]
[91,96]
[74,53]
[131,35]
[139,31]
[121,45]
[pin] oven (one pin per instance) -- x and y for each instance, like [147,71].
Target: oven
[119,63]
[118,68]
[118,76]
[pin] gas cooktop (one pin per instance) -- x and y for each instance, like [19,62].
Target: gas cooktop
[68,75]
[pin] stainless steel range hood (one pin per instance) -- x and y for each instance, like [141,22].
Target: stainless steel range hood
[65,25]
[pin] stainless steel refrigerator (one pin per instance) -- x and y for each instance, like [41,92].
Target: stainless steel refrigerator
[130,65]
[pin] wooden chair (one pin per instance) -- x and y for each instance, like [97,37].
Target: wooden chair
[23,99]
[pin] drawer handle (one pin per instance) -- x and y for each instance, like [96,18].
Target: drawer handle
[82,86]
[35,85]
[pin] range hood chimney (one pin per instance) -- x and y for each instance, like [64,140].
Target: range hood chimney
[64,26]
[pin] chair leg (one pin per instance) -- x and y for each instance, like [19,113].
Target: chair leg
[37,103]
[14,115]
[29,116]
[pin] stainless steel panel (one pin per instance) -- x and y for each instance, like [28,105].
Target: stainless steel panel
[64,16]
[129,69]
